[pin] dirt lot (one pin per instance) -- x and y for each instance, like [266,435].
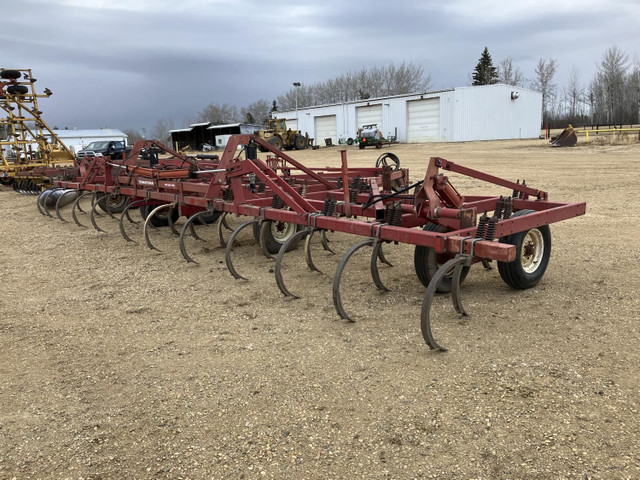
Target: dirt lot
[121,362]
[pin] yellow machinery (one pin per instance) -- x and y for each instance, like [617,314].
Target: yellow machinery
[281,137]
[27,145]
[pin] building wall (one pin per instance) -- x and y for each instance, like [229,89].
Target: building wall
[78,140]
[466,114]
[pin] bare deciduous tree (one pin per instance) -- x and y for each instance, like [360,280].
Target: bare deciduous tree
[545,71]
[258,112]
[160,130]
[219,114]
[510,74]
[358,85]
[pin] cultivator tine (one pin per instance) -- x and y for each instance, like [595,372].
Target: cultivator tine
[125,213]
[337,301]
[457,263]
[283,249]
[172,225]
[325,241]
[76,205]
[58,214]
[382,257]
[93,213]
[229,246]
[147,223]
[41,200]
[189,225]
[44,202]
[222,222]
[307,251]
[375,254]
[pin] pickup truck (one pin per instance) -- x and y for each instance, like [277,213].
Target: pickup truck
[113,148]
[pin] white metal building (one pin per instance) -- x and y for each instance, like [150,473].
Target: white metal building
[488,112]
[78,139]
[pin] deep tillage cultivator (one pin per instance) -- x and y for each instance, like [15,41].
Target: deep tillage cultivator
[288,202]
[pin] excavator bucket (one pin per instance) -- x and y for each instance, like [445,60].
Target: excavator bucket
[567,138]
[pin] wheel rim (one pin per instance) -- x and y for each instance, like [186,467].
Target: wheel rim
[532,250]
[281,231]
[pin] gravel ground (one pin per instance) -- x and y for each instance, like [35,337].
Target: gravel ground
[121,362]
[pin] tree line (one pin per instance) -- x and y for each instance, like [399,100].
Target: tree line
[611,97]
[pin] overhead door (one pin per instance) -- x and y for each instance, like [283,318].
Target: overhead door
[326,127]
[370,115]
[292,123]
[423,123]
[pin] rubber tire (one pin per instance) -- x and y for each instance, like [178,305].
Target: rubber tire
[425,261]
[271,243]
[379,145]
[361,145]
[512,272]
[117,207]
[211,218]
[161,220]
[275,142]
[10,74]
[300,142]
[349,141]
[17,89]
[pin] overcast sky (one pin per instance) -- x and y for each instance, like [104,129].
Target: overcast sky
[126,63]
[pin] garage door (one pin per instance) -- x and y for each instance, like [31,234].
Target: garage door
[423,124]
[326,127]
[292,123]
[369,116]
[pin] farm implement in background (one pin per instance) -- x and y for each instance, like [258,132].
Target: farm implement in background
[28,158]
[287,202]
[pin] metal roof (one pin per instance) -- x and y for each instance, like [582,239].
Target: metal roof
[225,126]
[202,124]
[101,132]
[180,130]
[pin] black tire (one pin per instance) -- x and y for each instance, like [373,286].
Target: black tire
[275,142]
[349,141]
[10,74]
[379,145]
[361,145]
[426,262]
[211,218]
[533,251]
[17,89]
[117,203]
[160,219]
[276,234]
[300,142]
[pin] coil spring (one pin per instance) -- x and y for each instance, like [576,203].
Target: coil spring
[329,206]
[353,196]
[491,228]
[396,217]
[499,211]
[515,192]
[260,186]
[227,194]
[482,226]
[508,207]
[276,202]
[303,190]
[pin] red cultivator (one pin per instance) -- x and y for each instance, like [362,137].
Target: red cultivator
[288,202]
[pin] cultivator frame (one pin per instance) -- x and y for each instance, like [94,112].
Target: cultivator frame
[30,159]
[375,203]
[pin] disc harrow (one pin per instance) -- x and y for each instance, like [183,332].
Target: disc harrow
[288,203]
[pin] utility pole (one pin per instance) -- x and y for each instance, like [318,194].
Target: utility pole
[296,85]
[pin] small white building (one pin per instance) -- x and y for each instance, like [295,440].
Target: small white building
[487,112]
[78,139]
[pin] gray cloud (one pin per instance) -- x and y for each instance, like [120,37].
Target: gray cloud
[111,64]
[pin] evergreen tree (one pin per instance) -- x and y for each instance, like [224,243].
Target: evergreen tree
[485,73]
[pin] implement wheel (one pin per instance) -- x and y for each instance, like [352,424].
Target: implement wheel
[533,251]
[10,74]
[273,234]
[117,203]
[17,89]
[427,262]
[160,219]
